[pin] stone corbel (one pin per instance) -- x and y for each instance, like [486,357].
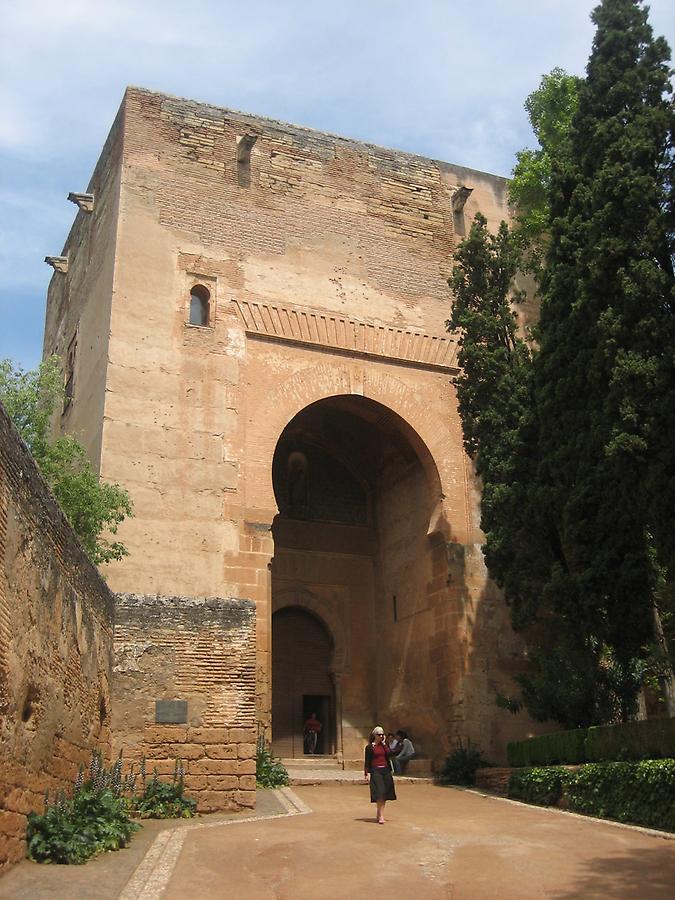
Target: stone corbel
[84,201]
[58,263]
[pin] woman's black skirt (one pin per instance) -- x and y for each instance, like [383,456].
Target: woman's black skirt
[381,785]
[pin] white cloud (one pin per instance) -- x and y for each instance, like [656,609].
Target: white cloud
[440,77]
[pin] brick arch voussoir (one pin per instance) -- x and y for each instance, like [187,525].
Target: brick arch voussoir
[322,382]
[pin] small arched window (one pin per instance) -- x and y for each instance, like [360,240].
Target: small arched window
[199,305]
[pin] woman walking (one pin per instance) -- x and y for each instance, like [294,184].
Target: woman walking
[377,771]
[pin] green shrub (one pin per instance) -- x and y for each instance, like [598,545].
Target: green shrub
[164,799]
[460,766]
[269,772]
[543,786]
[642,793]
[99,814]
[96,818]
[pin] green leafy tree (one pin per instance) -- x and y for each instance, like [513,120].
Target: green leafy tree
[94,508]
[603,376]
[550,110]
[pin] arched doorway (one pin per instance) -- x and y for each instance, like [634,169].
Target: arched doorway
[301,681]
[356,490]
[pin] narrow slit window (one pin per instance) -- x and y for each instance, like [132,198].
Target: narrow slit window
[199,306]
[69,386]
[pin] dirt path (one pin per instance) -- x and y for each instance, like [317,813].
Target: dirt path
[437,843]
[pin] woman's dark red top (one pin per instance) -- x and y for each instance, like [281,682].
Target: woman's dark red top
[377,757]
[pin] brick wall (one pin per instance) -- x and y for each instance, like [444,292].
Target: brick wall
[56,620]
[201,651]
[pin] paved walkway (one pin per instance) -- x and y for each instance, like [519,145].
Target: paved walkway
[322,844]
[105,877]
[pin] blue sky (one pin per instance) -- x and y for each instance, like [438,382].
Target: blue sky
[442,78]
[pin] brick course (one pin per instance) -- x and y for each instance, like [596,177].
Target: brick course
[201,650]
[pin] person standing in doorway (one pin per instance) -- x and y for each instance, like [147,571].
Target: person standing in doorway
[311,731]
[377,772]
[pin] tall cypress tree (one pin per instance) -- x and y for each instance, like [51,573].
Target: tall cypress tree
[494,393]
[522,548]
[604,373]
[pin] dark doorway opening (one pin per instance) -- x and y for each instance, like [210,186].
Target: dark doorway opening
[321,706]
[301,681]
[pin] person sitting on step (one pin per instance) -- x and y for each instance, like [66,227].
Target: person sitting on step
[404,754]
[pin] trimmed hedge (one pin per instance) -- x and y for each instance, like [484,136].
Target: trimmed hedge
[652,739]
[641,793]
[543,786]
[560,747]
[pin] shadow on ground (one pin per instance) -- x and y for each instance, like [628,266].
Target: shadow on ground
[648,873]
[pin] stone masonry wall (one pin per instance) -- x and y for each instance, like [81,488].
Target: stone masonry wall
[56,622]
[326,264]
[200,651]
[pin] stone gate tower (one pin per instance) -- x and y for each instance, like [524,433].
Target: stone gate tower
[251,321]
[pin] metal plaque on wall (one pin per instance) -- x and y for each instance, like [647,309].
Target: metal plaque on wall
[171,712]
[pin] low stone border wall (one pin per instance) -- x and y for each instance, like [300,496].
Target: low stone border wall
[494,780]
[219,763]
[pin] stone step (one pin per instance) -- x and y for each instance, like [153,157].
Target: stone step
[419,766]
[312,762]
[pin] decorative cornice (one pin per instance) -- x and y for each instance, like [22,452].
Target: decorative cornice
[323,329]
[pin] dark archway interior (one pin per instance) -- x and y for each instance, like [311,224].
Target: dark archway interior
[301,679]
[349,444]
[353,488]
